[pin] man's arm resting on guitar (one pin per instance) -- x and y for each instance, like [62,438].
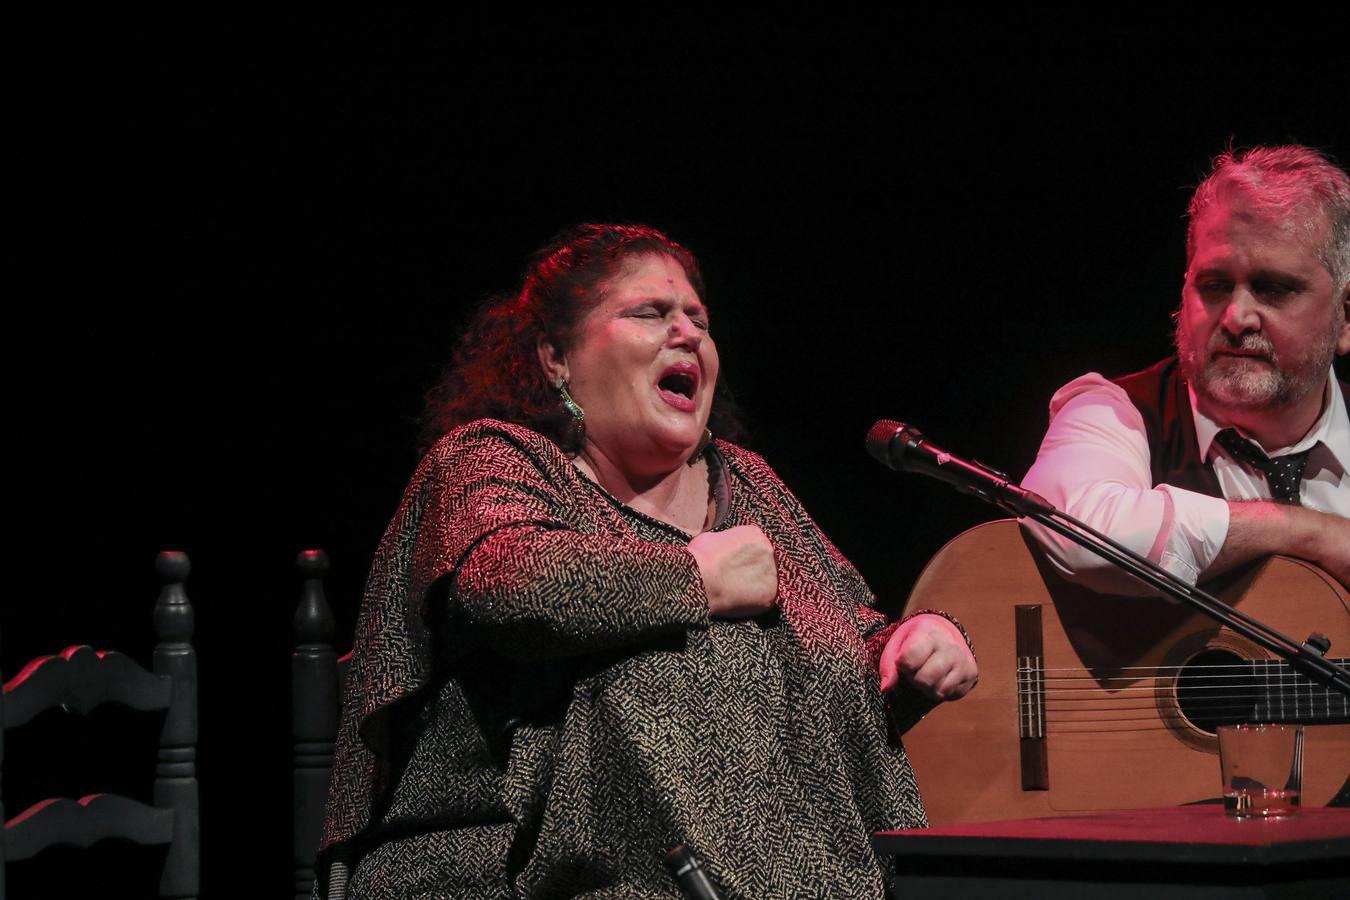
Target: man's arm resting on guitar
[1259,529]
[1094,465]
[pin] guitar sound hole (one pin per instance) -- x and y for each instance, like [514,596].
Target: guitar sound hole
[1215,688]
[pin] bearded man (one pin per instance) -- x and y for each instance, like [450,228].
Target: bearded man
[1239,446]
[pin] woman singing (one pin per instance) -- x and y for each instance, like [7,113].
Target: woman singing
[595,630]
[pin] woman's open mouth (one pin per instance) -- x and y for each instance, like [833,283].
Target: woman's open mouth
[678,384]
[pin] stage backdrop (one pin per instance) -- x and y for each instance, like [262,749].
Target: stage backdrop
[248,247]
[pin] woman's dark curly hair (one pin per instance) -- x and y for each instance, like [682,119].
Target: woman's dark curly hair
[495,372]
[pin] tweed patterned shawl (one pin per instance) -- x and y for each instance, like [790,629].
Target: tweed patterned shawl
[539,704]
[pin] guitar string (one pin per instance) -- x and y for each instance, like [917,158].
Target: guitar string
[1244,666]
[1119,702]
[1070,695]
[1317,709]
[1285,676]
[1162,728]
[1209,710]
[1116,708]
[1165,726]
[1212,683]
[1173,719]
[1231,678]
[1241,690]
[1100,727]
[1205,683]
[1104,726]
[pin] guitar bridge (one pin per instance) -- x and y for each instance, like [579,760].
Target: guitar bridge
[1031,698]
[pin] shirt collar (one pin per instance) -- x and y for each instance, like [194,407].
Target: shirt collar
[1332,428]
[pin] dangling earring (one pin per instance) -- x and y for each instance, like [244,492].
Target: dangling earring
[578,414]
[702,445]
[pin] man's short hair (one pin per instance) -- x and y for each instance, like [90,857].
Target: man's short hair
[1290,181]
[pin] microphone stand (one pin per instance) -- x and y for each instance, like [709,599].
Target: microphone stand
[1308,657]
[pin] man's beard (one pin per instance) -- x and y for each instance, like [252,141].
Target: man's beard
[1266,382]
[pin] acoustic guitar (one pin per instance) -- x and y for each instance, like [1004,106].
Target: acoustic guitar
[1089,702]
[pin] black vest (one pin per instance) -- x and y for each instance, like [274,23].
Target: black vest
[1161,396]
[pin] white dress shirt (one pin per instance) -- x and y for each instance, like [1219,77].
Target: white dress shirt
[1094,465]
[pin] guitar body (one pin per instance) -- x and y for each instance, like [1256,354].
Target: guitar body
[1111,714]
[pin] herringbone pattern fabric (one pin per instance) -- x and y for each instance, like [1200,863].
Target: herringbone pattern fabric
[551,707]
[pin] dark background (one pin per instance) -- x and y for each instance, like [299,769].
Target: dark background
[245,247]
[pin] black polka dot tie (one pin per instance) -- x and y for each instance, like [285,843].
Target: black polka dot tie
[1283,473]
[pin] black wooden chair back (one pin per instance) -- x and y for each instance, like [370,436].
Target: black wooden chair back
[317,675]
[80,680]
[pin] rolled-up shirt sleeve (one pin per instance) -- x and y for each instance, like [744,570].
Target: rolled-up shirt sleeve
[1094,465]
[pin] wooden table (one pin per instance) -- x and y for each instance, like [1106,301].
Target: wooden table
[1188,851]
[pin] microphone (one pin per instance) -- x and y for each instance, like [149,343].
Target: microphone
[898,446]
[689,874]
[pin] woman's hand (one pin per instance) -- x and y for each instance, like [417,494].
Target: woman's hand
[929,652]
[738,570]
